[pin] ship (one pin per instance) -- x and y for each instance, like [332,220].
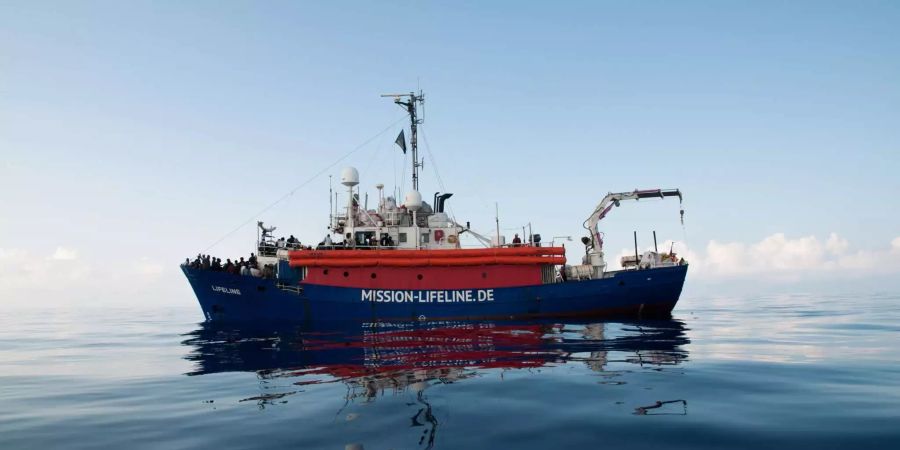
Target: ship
[406,261]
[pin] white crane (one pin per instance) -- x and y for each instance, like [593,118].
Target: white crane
[595,253]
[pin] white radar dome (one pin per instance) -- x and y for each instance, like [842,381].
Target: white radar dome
[349,176]
[413,201]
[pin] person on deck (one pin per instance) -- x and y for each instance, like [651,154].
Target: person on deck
[516,240]
[328,242]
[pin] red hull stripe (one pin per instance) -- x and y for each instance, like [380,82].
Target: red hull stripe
[427,254]
[419,278]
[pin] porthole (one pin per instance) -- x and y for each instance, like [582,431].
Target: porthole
[419,276]
[483,274]
[325,272]
[346,274]
[373,275]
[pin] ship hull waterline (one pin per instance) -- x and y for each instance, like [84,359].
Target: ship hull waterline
[633,293]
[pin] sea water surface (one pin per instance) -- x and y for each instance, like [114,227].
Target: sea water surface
[783,371]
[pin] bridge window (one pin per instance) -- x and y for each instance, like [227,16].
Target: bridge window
[364,237]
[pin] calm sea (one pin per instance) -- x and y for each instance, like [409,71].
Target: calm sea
[789,371]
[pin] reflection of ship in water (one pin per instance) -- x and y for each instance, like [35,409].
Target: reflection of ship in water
[375,359]
[379,356]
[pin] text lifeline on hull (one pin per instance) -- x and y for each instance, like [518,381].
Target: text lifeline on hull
[405,261]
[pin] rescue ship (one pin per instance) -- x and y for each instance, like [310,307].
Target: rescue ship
[405,261]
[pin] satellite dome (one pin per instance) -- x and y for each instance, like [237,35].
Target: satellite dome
[413,201]
[349,176]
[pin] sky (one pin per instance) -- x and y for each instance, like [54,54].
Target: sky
[135,134]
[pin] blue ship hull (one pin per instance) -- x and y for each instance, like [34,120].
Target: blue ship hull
[636,293]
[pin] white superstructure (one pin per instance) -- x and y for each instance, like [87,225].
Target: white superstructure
[413,224]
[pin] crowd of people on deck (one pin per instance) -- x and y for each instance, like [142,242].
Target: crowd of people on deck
[361,242]
[269,247]
[248,267]
[290,243]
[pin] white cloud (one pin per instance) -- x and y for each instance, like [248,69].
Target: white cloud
[21,269]
[785,258]
[64,254]
[781,253]
[144,266]
[64,277]
[63,268]
[6,253]
[836,245]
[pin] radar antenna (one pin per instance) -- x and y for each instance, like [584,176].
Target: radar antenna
[408,102]
[266,231]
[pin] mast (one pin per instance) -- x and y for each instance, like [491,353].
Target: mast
[330,205]
[408,102]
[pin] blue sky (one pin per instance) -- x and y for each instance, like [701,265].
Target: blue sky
[133,134]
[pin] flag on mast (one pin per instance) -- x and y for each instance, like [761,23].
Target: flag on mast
[401,142]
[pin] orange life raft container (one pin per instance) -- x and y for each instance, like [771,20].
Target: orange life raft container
[415,258]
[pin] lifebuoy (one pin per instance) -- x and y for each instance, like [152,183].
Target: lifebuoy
[452,239]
